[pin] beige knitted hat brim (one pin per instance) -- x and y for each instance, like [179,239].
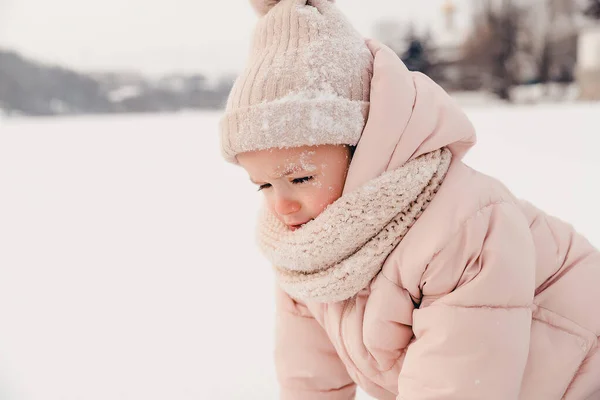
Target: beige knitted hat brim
[305,121]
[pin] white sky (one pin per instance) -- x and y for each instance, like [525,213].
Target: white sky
[157,36]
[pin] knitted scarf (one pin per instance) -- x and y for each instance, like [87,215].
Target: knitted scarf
[334,256]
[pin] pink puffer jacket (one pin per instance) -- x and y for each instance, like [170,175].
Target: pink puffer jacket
[486,297]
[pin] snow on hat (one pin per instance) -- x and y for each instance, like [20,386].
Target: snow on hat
[306,82]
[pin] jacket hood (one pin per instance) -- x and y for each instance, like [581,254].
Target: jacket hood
[409,116]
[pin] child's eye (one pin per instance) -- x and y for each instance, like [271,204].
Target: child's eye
[302,180]
[264,186]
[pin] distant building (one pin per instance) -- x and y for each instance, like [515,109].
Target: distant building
[448,38]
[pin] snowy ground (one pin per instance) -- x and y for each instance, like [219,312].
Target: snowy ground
[127,264]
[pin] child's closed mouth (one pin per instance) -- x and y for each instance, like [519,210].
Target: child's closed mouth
[298,226]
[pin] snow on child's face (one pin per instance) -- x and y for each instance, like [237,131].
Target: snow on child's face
[298,183]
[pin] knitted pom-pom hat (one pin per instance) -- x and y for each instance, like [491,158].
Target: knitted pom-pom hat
[307,81]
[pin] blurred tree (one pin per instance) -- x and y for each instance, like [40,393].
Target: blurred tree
[32,88]
[592,9]
[498,45]
[418,52]
[554,40]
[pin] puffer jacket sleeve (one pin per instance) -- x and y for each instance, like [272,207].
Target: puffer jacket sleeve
[307,364]
[473,326]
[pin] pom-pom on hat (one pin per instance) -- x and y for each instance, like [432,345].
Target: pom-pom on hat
[263,6]
[306,82]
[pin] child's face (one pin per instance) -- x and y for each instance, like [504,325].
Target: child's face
[298,183]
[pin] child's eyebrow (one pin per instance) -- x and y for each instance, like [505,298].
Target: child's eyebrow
[291,169]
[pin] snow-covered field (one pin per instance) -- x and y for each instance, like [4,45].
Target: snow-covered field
[127,263]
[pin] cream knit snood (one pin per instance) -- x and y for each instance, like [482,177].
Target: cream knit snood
[334,256]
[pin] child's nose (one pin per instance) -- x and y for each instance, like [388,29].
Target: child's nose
[286,206]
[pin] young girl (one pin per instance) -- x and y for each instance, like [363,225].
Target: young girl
[399,268]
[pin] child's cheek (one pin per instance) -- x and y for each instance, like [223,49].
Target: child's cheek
[317,183]
[330,193]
